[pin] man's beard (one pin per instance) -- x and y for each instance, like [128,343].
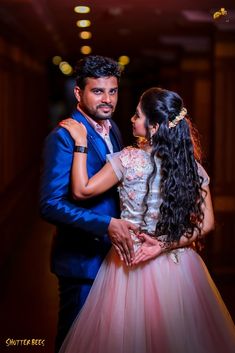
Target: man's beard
[96,115]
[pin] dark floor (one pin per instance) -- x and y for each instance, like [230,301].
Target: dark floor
[29,302]
[28,306]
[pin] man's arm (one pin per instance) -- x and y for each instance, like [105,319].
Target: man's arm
[55,205]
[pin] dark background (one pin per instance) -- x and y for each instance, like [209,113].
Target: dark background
[174,44]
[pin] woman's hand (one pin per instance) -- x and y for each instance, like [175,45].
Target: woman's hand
[148,250]
[77,131]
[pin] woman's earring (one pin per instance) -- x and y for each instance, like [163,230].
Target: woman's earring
[152,132]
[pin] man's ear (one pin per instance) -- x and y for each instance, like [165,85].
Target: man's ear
[77,92]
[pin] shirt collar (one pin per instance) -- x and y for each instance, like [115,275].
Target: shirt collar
[102,128]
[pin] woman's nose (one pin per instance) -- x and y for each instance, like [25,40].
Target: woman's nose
[133,119]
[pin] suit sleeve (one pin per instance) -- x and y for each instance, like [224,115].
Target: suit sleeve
[55,204]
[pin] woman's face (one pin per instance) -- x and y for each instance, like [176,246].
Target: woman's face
[138,123]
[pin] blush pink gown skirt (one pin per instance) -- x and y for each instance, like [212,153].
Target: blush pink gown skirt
[167,305]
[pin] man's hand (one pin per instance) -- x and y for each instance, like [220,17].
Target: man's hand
[119,233]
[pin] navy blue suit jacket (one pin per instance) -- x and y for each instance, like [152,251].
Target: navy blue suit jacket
[81,241]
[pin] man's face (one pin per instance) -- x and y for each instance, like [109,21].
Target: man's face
[99,97]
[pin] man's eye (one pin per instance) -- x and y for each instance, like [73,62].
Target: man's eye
[97,91]
[113,91]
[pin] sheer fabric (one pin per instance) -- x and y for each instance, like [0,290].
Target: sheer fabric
[167,305]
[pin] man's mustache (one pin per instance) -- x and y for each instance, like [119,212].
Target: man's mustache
[105,105]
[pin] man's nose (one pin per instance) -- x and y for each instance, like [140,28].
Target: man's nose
[106,98]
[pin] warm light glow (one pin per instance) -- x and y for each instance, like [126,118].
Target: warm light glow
[85,35]
[56,59]
[66,68]
[122,67]
[85,50]
[124,60]
[83,23]
[82,9]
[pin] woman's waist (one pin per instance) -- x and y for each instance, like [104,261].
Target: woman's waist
[173,253]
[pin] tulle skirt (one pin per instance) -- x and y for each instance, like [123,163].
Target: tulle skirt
[167,305]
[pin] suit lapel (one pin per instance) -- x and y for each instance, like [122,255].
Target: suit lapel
[115,137]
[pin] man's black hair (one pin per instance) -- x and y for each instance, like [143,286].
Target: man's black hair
[95,66]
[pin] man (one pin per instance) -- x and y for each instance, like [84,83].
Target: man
[84,228]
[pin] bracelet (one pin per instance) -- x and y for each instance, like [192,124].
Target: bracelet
[80,149]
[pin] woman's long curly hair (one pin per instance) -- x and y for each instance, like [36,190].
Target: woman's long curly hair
[177,148]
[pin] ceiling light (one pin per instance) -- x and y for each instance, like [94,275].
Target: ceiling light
[83,23]
[85,49]
[56,59]
[124,60]
[82,9]
[85,35]
[66,68]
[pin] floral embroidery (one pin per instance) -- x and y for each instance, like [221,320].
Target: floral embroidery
[154,214]
[135,165]
[135,162]
[131,195]
[139,174]
[130,177]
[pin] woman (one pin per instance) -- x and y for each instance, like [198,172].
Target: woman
[168,304]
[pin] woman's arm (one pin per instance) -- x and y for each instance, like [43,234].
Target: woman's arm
[55,201]
[153,247]
[82,187]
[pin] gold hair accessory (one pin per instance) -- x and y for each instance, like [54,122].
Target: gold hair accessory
[220,13]
[177,119]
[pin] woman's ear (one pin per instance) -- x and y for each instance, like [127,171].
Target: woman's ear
[153,129]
